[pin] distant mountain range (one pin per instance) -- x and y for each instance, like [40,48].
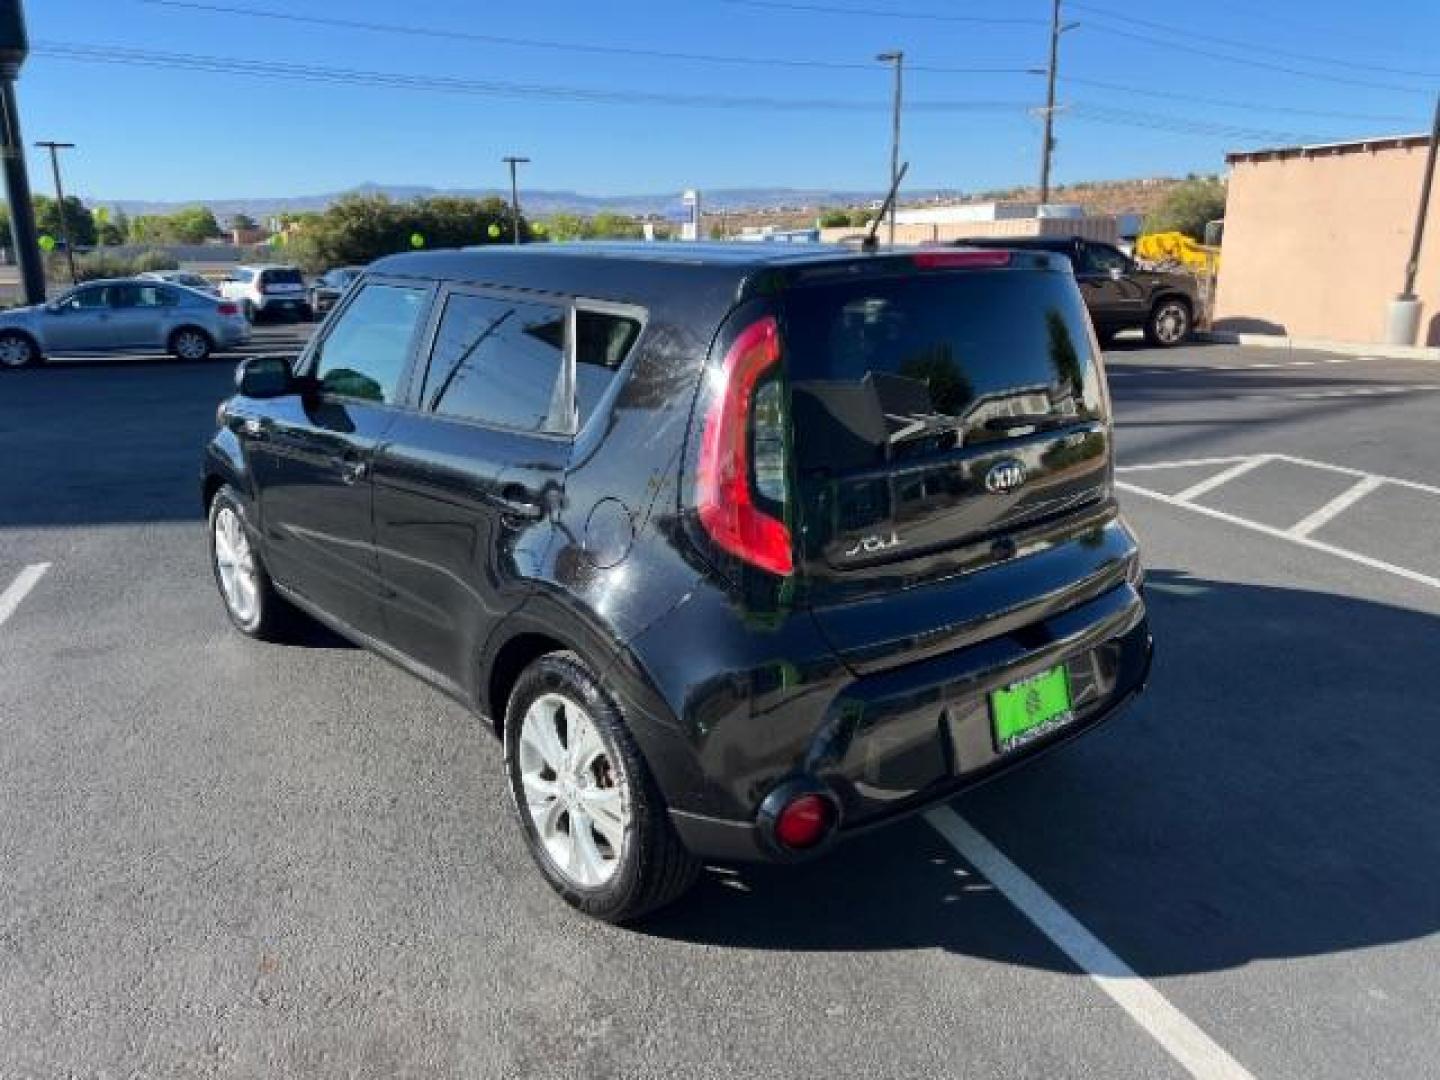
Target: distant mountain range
[536,202]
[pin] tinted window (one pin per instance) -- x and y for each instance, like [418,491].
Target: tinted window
[285,275]
[498,362]
[364,355]
[140,296]
[602,342]
[889,369]
[85,299]
[1099,259]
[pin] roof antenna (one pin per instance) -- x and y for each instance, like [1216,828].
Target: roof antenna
[871,242]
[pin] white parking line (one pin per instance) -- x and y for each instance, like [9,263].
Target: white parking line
[1167,1025]
[1337,506]
[1194,491]
[1284,534]
[19,589]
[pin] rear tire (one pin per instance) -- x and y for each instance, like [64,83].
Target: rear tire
[249,596]
[190,343]
[17,350]
[1169,323]
[589,808]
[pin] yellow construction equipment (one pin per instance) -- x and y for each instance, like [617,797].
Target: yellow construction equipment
[1174,247]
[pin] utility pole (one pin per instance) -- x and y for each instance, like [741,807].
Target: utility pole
[515,193]
[1047,148]
[897,58]
[1403,322]
[14,47]
[55,148]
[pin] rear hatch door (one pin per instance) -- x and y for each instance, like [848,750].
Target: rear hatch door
[944,419]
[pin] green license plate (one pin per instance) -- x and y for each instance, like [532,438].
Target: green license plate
[1033,707]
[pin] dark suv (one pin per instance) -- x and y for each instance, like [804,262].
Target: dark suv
[1119,294]
[740,548]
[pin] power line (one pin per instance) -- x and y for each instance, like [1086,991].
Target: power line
[1330,61]
[1245,61]
[718,58]
[926,16]
[560,46]
[107,54]
[1231,103]
[233,65]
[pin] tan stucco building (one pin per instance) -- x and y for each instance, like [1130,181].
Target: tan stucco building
[1317,237]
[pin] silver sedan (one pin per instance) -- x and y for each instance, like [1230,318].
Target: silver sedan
[122,315]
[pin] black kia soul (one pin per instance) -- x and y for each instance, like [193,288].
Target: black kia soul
[742,549]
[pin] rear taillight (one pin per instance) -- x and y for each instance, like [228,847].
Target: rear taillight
[745,429]
[955,260]
[227,308]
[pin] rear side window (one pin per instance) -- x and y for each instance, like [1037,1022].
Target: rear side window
[364,354]
[893,368]
[602,341]
[498,362]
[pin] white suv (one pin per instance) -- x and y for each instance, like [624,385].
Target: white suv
[267,290]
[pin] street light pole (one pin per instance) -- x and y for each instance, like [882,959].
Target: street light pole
[515,193]
[55,148]
[897,58]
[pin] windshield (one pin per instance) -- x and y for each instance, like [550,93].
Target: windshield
[890,368]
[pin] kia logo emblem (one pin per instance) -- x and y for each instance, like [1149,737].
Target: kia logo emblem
[1005,476]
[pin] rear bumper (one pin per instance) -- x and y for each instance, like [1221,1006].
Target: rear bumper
[892,744]
[284,302]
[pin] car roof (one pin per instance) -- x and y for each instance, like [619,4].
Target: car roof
[638,272]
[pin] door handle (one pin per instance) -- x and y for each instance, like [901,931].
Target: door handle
[517,503]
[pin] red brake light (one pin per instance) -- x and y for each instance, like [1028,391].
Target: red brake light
[952,260]
[804,822]
[227,308]
[722,487]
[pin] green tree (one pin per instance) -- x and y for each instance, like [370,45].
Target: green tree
[194,225]
[1187,207]
[78,218]
[611,226]
[835,219]
[243,222]
[361,228]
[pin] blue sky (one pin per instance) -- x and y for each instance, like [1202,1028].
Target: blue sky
[148,132]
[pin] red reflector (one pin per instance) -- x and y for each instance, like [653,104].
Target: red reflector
[228,309]
[722,485]
[804,822]
[949,260]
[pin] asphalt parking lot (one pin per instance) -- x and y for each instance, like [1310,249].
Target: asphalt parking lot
[222,858]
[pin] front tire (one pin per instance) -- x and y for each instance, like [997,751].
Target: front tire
[188,343]
[250,599]
[17,350]
[1169,323]
[591,813]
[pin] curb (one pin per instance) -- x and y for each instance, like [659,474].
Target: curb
[1347,348]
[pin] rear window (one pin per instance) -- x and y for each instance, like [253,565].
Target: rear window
[893,368]
[286,275]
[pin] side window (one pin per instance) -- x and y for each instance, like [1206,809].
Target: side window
[1099,259]
[91,299]
[152,296]
[498,362]
[602,341]
[364,354]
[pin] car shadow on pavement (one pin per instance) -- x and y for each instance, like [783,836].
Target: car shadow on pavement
[1272,796]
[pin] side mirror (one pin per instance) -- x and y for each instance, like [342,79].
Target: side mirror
[265,377]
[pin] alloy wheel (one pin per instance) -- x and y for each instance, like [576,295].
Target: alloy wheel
[572,790]
[15,351]
[191,345]
[1172,322]
[235,565]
